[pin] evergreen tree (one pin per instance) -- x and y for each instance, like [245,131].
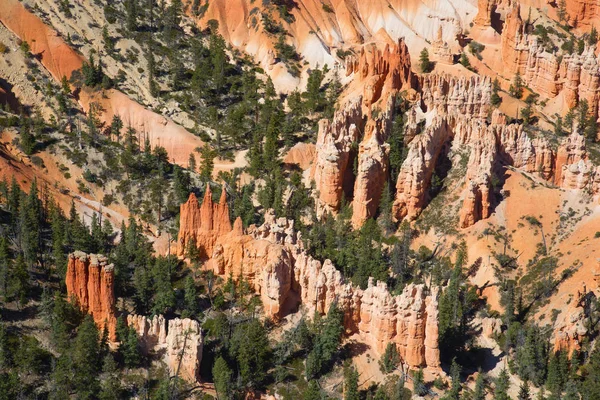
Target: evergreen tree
[130,349]
[516,88]
[455,387]
[19,282]
[524,393]
[320,358]
[250,348]
[116,126]
[464,61]
[557,372]
[5,267]
[496,99]
[502,386]
[456,307]
[27,139]
[479,392]
[190,298]
[222,377]
[390,359]
[111,385]
[86,359]
[418,383]
[351,384]
[206,163]
[313,392]
[131,15]
[424,63]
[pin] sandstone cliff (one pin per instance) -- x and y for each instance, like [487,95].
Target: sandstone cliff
[180,339]
[90,283]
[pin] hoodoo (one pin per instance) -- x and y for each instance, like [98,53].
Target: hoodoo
[90,282]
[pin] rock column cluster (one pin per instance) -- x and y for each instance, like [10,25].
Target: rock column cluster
[179,339]
[90,282]
[274,262]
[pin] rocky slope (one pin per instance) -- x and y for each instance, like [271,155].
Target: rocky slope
[318,30]
[61,60]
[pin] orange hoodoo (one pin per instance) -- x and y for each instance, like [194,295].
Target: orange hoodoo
[90,281]
[203,223]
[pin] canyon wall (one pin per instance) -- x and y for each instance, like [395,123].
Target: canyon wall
[274,262]
[572,76]
[179,339]
[90,282]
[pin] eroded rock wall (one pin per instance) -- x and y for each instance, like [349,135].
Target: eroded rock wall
[272,259]
[203,223]
[90,283]
[179,339]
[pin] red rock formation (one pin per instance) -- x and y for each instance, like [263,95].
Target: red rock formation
[181,341]
[364,120]
[440,51]
[576,76]
[571,151]
[90,282]
[416,171]
[485,8]
[331,170]
[515,50]
[373,154]
[583,13]
[272,259]
[203,223]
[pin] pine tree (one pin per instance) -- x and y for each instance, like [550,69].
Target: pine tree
[131,12]
[562,11]
[502,386]
[190,298]
[313,392]
[130,349]
[206,163]
[19,282]
[464,61]
[222,377]
[524,393]
[111,385]
[5,266]
[192,162]
[390,359]
[116,126]
[496,99]
[250,347]
[480,392]
[455,388]
[86,359]
[557,372]
[385,209]
[27,139]
[516,88]
[351,384]
[424,63]
[418,383]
